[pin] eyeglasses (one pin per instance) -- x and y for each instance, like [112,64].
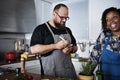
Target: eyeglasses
[62,17]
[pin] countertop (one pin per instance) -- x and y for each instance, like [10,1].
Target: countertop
[79,59]
[35,77]
[4,62]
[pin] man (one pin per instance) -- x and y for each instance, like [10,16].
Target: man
[54,42]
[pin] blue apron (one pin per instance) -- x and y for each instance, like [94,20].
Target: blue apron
[110,63]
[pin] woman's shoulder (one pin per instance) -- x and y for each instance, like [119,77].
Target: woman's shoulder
[102,37]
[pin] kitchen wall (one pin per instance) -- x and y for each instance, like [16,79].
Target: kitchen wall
[17,18]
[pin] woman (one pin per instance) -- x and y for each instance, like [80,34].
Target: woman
[107,47]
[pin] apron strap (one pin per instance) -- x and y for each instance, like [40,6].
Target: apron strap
[53,33]
[41,66]
[50,30]
[40,60]
[107,41]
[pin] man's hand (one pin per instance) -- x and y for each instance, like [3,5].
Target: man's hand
[68,49]
[61,44]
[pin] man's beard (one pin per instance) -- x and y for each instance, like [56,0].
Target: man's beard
[59,26]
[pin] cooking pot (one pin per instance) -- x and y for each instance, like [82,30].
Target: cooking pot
[10,56]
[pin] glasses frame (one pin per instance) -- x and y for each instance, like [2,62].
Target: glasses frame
[62,17]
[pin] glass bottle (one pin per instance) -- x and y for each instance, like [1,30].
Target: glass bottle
[99,74]
[20,72]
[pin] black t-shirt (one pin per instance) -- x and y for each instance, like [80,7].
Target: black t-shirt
[42,35]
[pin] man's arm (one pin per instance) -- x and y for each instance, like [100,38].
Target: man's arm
[42,49]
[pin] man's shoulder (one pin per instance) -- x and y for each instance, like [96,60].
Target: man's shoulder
[41,27]
[68,29]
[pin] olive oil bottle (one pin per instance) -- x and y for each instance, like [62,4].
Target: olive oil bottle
[99,74]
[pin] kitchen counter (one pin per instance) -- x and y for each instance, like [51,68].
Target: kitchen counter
[75,57]
[11,75]
[80,59]
[32,65]
[34,58]
[35,77]
[16,61]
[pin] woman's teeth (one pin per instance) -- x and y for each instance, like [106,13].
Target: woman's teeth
[113,25]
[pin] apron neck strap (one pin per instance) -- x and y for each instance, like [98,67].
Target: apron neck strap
[107,41]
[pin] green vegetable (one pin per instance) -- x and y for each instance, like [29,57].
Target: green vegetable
[87,68]
[63,79]
[20,77]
